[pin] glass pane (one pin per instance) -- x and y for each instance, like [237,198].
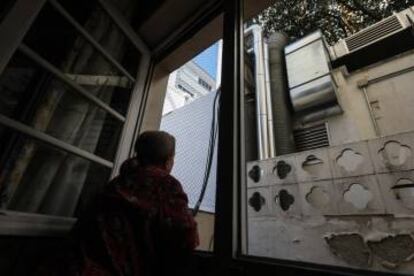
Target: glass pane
[37,178]
[329,134]
[30,95]
[190,114]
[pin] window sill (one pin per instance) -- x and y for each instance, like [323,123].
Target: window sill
[34,225]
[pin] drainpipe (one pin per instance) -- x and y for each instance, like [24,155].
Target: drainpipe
[261,104]
[272,149]
[363,84]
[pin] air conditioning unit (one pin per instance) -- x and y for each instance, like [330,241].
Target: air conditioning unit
[374,33]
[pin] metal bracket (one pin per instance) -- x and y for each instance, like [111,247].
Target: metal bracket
[93,80]
[363,83]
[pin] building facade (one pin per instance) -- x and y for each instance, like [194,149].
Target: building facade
[343,195]
[186,84]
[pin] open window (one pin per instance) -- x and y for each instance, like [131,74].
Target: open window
[184,97]
[190,114]
[314,148]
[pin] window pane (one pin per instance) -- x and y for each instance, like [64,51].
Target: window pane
[36,178]
[329,135]
[30,95]
[190,114]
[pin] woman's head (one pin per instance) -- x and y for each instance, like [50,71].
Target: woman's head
[156,148]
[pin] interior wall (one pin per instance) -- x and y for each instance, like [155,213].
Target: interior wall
[155,101]
[205,223]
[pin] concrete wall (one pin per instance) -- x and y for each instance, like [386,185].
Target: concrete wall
[351,204]
[348,205]
[392,101]
[205,223]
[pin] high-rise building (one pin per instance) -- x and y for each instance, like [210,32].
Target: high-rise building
[186,84]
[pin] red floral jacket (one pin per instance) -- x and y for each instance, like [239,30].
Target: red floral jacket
[140,225]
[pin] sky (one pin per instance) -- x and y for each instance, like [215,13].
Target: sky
[208,60]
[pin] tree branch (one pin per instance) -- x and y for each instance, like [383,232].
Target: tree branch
[358,6]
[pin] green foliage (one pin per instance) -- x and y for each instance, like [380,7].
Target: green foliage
[336,18]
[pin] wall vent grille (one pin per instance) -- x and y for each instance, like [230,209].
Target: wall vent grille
[377,31]
[311,138]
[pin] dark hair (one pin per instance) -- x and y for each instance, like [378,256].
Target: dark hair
[154,147]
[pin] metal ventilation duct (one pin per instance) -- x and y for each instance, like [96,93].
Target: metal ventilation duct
[374,33]
[282,117]
[311,86]
[264,118]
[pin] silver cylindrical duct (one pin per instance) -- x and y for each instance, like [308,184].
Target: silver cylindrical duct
[260,81]
[316,94]
[282,120]
[321,114]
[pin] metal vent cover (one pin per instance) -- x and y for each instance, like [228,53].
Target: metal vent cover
[311,137]
[377,31]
